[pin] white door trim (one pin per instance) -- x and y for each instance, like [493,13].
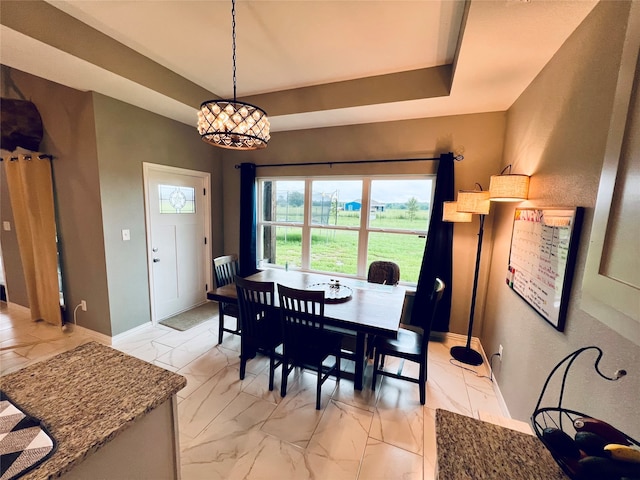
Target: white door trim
[206,176]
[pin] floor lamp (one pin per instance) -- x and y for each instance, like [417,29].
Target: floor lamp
[470,202]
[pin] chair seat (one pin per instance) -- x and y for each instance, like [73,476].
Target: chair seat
[315,348]
[231,309]
[407,343]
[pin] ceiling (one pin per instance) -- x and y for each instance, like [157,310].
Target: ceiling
[308,63]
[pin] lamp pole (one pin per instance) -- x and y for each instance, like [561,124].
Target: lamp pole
[466,354]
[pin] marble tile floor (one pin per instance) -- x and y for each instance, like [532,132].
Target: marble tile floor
[239,429]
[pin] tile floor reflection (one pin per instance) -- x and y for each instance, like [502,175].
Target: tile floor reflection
[232,428]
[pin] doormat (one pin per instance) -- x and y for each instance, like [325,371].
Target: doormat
[24,441]
[189,319]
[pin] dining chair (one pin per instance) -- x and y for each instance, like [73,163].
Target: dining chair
[411,344]
[307,343]
[383,272]
[261,327]
[225,268]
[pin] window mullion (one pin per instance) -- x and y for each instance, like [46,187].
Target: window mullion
[306,226]
[363,237]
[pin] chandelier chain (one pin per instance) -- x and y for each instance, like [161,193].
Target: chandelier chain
[233,36]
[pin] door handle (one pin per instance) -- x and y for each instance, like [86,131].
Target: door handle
[156,260]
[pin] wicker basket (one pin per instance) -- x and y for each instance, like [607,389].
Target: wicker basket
[563,419]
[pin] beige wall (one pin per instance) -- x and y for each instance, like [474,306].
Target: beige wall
[99,145]
[69,135]
[478,137]
[557,131]
[127,136]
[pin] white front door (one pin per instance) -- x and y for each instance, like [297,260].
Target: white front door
[177,237]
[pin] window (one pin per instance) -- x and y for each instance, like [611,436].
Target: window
[342,224]
[175,199]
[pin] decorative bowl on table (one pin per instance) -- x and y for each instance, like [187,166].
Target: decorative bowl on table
[334,291]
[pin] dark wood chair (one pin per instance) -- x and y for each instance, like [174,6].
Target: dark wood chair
[261,327]
[307,343]
[226,268]
[383,272]
[411,344]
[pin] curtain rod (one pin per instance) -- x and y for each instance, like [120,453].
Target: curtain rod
[331,164]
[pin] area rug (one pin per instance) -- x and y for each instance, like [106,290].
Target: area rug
[24,441]
[189,319]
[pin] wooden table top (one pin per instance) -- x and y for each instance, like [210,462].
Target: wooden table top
[372,308]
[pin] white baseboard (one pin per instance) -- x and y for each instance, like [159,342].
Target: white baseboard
[138,329]
[106,339]
[476,345]
[100,337]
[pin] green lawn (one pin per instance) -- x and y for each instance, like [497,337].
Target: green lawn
[336,251]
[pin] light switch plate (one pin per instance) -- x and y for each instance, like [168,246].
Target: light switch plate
[126,235]
[6,226]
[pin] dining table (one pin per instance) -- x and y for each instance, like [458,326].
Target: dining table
[351,304]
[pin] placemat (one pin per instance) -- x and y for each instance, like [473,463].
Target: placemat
[24,441]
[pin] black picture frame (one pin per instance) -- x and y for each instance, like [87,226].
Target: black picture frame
[542,259]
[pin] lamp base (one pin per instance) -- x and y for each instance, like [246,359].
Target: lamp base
[466,355]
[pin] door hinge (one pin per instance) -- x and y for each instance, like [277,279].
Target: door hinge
[206,287]
[205,240]
[204,192]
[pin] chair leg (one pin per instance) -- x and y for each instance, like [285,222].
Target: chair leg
[243,366]
[319,386]
[376,363]
[422,382]
[272,368]
[220,323]
[285,374]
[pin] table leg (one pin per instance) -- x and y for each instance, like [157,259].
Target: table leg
[360,360]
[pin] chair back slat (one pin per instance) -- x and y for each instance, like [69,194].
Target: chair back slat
[226,268]
[302,313]
[256,306]
[436,296]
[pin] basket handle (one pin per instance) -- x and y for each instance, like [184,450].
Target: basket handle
[570,359]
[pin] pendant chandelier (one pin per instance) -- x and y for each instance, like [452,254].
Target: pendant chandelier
[232,124]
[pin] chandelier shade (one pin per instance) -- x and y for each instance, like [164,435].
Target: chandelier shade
[474,201]
[450,213]
[234,125]
[509,188]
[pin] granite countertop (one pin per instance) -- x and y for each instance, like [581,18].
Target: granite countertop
[86,397]
[472,449]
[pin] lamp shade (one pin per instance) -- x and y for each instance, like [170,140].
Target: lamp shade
[450,213]
[474,201]
[509,188]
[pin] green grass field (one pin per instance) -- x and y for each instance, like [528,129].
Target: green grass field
[336,251]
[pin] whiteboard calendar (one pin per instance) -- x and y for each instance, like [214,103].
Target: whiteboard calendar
[543,249]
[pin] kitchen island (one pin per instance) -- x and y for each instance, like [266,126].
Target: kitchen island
[112,415]
[472,449]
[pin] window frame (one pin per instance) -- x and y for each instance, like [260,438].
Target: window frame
[364,228]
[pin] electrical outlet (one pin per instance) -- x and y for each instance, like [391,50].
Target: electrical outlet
[500,352]
[83,305]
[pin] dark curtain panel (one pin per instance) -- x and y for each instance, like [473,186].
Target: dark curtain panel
[248,230]
[436,261]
